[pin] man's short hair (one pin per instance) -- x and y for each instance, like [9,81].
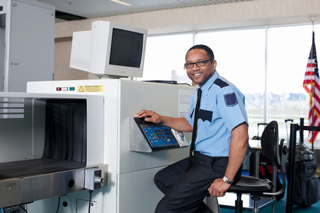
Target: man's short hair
[205,48]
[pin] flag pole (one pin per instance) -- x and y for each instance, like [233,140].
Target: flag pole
[312,110]
[312,93]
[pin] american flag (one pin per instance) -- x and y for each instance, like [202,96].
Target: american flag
[311,78]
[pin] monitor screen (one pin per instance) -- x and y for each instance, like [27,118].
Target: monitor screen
[126,48]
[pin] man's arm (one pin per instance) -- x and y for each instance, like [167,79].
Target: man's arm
[237,152]
[179,124]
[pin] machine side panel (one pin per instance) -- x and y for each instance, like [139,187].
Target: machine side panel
[161,98]
[95,126]
[146,195]
[111,142]
[16,134]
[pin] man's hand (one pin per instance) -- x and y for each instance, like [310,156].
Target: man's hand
[150,116]
[218,188]
[179,124]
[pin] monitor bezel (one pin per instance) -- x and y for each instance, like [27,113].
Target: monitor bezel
[101,47]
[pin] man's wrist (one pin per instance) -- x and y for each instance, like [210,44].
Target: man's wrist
[162,119]
[226,180]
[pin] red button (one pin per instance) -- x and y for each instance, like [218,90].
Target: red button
[58,88]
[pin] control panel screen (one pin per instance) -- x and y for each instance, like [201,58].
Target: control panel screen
[158,136]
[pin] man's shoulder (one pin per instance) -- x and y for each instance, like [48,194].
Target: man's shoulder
[221,82]
[221,86]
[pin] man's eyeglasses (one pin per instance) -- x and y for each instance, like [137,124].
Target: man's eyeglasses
[198,63]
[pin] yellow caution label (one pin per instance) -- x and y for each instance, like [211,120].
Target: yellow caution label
[88,88]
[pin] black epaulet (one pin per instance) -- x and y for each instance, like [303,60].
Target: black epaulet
[220,83]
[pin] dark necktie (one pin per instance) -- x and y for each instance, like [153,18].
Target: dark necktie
[194,130]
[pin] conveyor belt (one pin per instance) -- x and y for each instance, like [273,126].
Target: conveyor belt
[20,169]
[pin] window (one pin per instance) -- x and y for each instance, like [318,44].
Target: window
[165,57]
[240,56]
[276,69]
[288,53]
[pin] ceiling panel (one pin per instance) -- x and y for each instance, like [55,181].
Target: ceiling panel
[104,8]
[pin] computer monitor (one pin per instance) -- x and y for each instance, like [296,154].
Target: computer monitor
[109,49]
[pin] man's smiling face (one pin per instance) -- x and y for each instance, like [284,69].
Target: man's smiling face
[200,75]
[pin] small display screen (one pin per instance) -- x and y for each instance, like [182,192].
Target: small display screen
[158,136]
[126,48]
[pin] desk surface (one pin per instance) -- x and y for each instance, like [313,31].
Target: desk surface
[255,144]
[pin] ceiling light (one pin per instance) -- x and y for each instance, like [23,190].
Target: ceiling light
[121,2]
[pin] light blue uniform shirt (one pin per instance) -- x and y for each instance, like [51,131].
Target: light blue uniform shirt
[221,110]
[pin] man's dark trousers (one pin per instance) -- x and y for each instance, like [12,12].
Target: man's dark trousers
[185,191]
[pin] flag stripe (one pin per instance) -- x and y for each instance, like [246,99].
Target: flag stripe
[311,78]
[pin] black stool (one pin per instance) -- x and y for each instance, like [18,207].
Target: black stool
[259,187]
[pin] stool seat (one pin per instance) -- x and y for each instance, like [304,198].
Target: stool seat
[252,185]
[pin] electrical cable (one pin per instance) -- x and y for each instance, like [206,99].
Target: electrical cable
[90,191]
[58,204]
[23,208]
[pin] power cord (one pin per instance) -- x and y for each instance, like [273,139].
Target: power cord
[23,209]
[90,191]
[58,204]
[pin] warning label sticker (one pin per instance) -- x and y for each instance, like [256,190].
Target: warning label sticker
[88,88]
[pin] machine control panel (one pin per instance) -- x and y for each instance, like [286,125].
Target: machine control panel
[158,136]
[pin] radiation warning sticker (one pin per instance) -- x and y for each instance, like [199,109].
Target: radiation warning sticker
[88,88]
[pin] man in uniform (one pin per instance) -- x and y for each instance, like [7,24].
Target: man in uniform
[220,138]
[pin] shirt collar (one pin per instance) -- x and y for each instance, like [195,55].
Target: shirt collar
[207,86]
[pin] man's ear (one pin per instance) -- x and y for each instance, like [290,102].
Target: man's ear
[214,64]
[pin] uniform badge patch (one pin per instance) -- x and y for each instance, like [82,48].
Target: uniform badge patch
[230,99]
